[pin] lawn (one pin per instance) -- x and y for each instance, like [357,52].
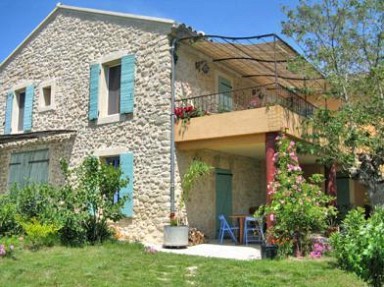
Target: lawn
[122,264]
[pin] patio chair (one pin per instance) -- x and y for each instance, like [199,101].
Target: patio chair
[253,230]
[226,228]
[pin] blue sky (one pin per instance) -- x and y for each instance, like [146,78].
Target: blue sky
[220,17]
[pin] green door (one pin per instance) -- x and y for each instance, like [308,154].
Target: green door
[225,95]
[342,184]
[223,194]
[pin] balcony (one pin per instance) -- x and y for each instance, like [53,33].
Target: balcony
[241,115]
[249,98]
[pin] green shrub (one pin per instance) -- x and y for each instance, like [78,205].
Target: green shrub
[297,207]
[93,199]
[8,224]
[40,234]
[42,201]
[359,245]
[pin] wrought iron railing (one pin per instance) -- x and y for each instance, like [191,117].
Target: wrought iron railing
[249,98]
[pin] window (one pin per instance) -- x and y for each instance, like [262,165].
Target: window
[115,162]
[113,81]
[124,160]
[111,88]
[46,97]
[18,109]
[28,167]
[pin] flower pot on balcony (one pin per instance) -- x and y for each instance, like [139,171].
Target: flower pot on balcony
[175,236]
[268,251]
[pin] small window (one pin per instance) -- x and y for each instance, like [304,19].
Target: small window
[47,96]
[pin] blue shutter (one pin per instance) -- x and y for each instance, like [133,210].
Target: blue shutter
[127,88]
[28,108]
[126,164]
[8,113]
[94,91]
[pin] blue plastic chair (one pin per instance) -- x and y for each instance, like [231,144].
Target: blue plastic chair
[225,227]
[253,230]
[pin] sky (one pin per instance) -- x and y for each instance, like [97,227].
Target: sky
[215,17]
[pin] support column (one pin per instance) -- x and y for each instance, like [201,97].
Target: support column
[330,182]
[270,150]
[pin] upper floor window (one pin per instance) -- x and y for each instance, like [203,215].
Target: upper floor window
[18,122]
[47,95]
[111,89]
[18,110]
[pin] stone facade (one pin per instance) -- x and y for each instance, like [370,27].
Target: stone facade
[61,51]
[248,187]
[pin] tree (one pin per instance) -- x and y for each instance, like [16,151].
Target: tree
[344,39]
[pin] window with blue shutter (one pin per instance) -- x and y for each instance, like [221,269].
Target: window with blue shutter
[112,88]
[8,113]
[28,108]
[127,83]
[94,91]
[126,164]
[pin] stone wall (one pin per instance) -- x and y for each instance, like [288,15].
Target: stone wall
[248,187]
[191,83]
[62,51]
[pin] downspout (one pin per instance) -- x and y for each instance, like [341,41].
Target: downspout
[172,158]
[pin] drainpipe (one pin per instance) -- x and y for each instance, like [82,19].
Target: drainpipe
[172,158]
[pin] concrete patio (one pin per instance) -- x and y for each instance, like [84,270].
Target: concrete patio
[212,249]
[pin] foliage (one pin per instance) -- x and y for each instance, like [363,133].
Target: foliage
[359,246]
[185,112]
[40,234]
[97,184]
[78,211]
[195,172]
[344,40]
[7,247]
[8,225]
[297,207]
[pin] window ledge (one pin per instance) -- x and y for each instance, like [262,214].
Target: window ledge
[46,109]
[111,119]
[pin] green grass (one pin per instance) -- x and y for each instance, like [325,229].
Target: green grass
[121,264]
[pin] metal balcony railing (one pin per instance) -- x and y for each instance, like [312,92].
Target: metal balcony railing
[249,98]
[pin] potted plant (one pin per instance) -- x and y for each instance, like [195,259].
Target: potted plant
[176,234]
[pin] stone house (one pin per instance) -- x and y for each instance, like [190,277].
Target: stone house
[94,82]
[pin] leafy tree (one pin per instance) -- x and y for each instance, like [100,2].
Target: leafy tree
[344,39]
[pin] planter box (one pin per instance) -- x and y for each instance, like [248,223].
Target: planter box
[176,236]
[268,251]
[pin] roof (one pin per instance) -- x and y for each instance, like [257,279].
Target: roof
[60,6]
[265,58]
[33,135]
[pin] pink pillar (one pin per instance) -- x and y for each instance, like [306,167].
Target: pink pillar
[270,150]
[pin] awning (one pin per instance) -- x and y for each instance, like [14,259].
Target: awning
[265,59]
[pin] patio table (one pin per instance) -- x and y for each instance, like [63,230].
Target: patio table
[240,219]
